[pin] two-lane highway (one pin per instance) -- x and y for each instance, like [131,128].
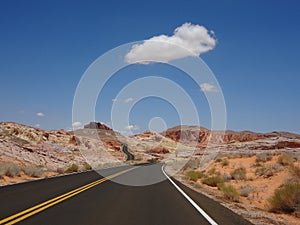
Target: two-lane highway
[90,199]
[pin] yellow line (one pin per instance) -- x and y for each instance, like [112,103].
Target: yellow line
[38,208]
[44,203]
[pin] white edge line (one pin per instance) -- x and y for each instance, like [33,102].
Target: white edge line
[201,211]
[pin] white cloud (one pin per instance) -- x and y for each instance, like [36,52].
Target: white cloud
[127,100]
[76,124]
[68,128]
[207,87]
[38,125]
[114,100]
[187,40]
[40,114]
[132,127]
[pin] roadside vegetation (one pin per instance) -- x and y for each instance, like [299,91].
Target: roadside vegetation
[213,181]
[224,162]
[152,160]
[87,166]
[9,169]
[194,175]
[33,171]
[245,190]
[72,168]
[234,181]
[230,192]
[285,160]
[13,170]
[263,157]
[239,173]
[286,199]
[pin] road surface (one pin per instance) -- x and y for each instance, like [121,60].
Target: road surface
[69,200]
[129,155]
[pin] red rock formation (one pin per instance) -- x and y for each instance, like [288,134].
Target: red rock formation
[200,135]
[74,141]
[96,125]
[63,132]
[158,150]
[287,144]
[112,145]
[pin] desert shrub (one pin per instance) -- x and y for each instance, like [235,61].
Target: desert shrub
[268,170]
[239,173]
[225,162]
[33,171]
[257,164]
[230,193]
[152,160]
[213,181]
[3,169]
[60,170]
[226,177]
[286,199]
[71,169]
[264,172]
[245,190]
[276,167]
[285,160]
[13,170]
[263,157]
[213,171]
[87,166]
[2,172]
[295,172]
[194,175]
[9,169]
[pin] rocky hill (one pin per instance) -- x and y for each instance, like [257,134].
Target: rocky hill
[194,135]
[98,144]
[53,149]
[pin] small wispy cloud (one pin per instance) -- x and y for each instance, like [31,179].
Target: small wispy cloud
[127,100]
[77,124]
[114,100]
[37,125]
[132,127]
[207,87]
[40,114]
[187,40]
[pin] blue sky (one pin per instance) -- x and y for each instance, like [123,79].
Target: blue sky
[46,46]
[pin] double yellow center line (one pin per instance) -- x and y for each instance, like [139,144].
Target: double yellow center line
[41,207]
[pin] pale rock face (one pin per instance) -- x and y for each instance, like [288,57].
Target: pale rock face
[50,149]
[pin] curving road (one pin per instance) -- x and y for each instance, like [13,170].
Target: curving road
[129,155]
[110,202]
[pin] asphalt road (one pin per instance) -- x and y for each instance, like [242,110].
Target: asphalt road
[111,202]
[127,153]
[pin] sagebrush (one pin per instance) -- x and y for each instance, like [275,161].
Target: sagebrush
[213,181]
[9,169]
[286,199]
[230,192]
[194,175]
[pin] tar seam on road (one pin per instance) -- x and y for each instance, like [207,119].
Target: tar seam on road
[41,207]
[197,207]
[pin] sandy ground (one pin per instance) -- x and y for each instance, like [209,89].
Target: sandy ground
[254,207]
[23,178]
